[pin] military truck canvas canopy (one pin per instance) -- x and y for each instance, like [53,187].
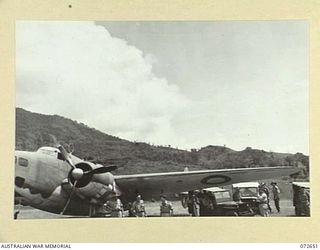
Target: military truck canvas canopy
[211,189]
[246,184]
[214,189]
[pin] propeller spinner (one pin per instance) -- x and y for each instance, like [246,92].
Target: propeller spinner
[77,173]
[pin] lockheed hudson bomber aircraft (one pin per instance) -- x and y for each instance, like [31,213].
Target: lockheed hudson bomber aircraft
[54,180]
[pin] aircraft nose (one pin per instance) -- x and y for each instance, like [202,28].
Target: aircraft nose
[22,166]
[22,160]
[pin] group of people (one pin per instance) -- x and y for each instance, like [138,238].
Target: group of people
[137,208]
[193,203]
[264,198]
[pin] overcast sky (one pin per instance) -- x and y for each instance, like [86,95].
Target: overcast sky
[187,84]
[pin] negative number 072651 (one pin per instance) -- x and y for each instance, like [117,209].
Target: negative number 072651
[309,245]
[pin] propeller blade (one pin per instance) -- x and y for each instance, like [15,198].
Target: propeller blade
[71,148]
[66,156]
[112,167]
[102,170]
[69,199]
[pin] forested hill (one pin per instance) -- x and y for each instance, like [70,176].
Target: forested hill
[34,130]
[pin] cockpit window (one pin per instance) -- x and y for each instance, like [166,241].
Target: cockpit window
[60,156]
[48,151]
[51,152]
[23,162]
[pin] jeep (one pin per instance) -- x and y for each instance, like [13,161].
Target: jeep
[218,202]
[248,194]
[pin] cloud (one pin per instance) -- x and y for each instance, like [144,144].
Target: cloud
[235,83]
[78,70]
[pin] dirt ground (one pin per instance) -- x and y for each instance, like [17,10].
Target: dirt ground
[152,209]
[287,209]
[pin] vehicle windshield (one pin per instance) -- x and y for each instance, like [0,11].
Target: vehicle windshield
[248,191]
[222,196]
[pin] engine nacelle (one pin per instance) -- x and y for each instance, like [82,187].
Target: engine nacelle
[95,192]
[93,185]
[105,178]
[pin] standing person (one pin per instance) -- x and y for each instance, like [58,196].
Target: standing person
[236,195]
[193,204]
[263,201]
[206,203]
[265,189]
[166,209]
[276,195]
[130,212]
[138,208]
[188,203]
[117,211]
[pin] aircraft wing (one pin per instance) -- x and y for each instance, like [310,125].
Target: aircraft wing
[152,185]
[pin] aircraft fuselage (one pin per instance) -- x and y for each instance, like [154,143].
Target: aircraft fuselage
[38,177]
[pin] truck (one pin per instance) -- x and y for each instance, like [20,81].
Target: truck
[301,198]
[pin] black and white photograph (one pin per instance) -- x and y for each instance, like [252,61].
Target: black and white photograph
[130,119]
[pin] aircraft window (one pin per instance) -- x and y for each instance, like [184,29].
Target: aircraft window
[19,181]
[23,162]
[15,160]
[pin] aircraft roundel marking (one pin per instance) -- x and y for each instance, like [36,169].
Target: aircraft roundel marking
[215,179]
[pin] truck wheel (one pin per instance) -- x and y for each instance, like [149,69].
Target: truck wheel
[251,212]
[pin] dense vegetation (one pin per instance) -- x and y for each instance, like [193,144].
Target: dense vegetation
[35,130]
